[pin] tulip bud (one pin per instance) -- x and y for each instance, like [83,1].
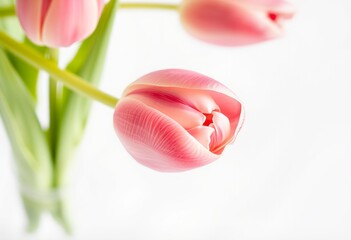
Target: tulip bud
[235,22]
[58,23]
[176,120]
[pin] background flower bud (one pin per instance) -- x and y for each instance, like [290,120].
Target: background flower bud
[235,22]
[58,23]
[175,120]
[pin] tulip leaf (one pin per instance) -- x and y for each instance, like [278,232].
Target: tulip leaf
[17,111]
[28,141]
[88,64]
[21,122]
[28,73]
[11,24]
[89,60]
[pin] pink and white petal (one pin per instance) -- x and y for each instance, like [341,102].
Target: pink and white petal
[232,109]
[87,22]
[179,78]
[173,107]
[202,134]
[197,99]
[30,16]
[237,127]
[222,132]
[157,141]
[69,21]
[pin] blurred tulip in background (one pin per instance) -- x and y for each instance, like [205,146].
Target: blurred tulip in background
[235,22]
[58,23]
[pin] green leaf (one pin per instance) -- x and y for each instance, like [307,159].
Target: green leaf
[27,73]
[88,64]
[89,61]
[29,145]
[11,24]
[22,125]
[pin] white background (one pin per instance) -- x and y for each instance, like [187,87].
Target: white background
[288,175]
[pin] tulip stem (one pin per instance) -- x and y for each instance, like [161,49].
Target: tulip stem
[54,104]
[69,79]
[11,11]
[7,11]
[164,6]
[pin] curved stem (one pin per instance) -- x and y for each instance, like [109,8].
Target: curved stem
[70,80]
[164,6]
[7,11]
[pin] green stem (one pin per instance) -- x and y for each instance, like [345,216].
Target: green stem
[7,11]
[11,11]
[70,80]
[164,6]
[54,100]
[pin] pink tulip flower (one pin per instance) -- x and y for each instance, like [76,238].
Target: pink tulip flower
[235,22]
[176,120]
[58,23]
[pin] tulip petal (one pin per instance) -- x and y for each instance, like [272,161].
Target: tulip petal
[157,141]
[203,135]
[69,21]
[172,106]
[31,21]
[197,99]
[233,110]
[179,78]
[222,132]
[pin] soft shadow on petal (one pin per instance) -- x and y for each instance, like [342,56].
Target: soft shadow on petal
[222,132]
[233,110]
[203,135]
[199,100]
[171,106]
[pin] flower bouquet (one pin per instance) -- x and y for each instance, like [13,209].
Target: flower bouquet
[169,120]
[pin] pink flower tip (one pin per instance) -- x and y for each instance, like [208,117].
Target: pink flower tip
[175,120]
